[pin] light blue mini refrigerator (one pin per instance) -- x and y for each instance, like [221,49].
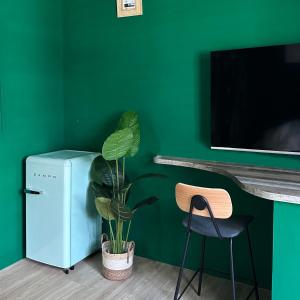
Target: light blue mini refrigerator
[62,224]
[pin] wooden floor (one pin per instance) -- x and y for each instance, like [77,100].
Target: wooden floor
[28,280]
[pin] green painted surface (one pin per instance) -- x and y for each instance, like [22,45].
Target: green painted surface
[31,105]
[158,65]
[286,262]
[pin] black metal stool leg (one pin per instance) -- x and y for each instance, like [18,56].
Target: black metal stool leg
[201,265]
[232,270]
[182,265]
[252,266]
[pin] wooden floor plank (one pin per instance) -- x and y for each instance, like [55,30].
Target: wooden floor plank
[29,280]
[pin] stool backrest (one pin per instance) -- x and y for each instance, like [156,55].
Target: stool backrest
[218,200]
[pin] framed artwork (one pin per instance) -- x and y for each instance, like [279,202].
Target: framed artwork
[128,8]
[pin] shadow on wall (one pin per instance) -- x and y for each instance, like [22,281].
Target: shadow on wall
[151,144]
[23,196]
[204,98]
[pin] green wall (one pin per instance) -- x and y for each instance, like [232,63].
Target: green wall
[158,65]
[32,109]
[286,251]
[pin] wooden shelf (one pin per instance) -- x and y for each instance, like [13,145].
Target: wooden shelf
[269,183]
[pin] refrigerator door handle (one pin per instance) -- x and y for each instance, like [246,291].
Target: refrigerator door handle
[31,192]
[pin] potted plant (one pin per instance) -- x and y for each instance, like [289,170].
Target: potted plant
[111,188]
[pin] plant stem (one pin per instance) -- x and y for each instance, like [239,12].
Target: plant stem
[127,235]
[121,236]
[112,237]
[117,236]
[124,194]
[117,171]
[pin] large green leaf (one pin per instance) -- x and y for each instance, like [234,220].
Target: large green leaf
[103,206]
[121,211]
[100,190]
[125,190]
[130,120]
[104,172]
[128,185]
[117,144]
[134,149]
[150,175]
[148,201]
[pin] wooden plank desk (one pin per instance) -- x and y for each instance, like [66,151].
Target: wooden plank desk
[269,183]
[283,187]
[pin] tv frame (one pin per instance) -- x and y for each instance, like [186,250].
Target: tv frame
[245,149]
[255,150]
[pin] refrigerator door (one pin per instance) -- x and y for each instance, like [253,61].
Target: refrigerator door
[48,213]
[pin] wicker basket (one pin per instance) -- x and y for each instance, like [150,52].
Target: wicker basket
[117,266]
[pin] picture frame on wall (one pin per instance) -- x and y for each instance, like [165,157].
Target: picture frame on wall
[129,8]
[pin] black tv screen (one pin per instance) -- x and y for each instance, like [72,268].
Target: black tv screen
[255,99]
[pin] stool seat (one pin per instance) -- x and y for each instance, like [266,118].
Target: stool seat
[229,228]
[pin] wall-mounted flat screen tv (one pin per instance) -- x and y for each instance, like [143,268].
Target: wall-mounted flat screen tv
[255,99]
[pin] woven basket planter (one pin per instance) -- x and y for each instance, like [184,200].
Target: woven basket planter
[117,266]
